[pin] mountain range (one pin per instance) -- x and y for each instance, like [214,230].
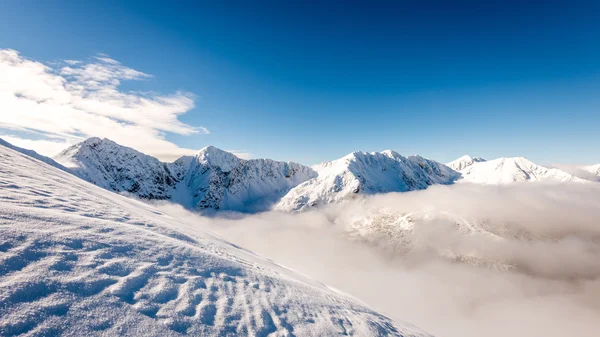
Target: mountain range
[210,179]
[78,260]
[214,179]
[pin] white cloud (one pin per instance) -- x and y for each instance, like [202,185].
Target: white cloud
[75,100]
[517,260]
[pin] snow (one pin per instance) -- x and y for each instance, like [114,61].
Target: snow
[511,170]
[366,173]
[78,260]
[33,154]
[594,169]
[118,168]
[214,179]
[464,162]
[211,179]
[213,157]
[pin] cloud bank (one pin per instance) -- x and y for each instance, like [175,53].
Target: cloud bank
[53,106]
[518,260]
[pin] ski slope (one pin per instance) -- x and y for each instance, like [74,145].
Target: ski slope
[78,260]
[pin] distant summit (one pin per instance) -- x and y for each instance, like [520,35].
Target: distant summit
[510,170]
[366,173]
[464,162]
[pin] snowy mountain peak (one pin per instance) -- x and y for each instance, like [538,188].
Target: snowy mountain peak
[513,169]
[103,142]
[93,146]
[366,173]
[97,140]
[594,169]
[118,168]
[211,179]
[464,162]
[215,157]
[391,154]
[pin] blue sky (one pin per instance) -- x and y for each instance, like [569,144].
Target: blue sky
[311,82]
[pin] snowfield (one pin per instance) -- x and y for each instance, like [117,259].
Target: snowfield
[77,260]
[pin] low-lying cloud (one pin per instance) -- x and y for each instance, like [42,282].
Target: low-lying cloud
[462,260]
[47,107]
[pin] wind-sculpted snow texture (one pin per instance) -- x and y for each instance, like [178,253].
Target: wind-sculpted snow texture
[211,179]
[77,260]
[366,173]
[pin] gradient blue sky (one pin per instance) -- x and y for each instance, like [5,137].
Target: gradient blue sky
[314,81]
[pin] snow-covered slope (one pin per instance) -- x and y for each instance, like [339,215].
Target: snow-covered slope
[77,260]
[509,170]
[211,179]
[220,180]
[594,169]
[34,155]
[366,173]
[118,168]
[464,162]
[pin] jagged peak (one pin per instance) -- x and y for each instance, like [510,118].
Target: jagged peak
[464,162]
[94,143]
[391,154]
[362,154]
[94,140]
[468,158]
[214,156]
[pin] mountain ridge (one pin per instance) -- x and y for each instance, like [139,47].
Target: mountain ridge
[210,179]
[213,179]
[506,170]
[78,260]
[366,173]
[464,162]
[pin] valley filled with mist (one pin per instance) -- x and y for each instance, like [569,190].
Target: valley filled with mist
[462,260]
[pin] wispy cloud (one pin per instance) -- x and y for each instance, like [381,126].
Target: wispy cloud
[71,100]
